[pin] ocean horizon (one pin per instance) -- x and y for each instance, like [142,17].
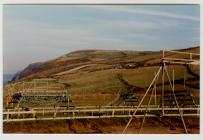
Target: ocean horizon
[7,77]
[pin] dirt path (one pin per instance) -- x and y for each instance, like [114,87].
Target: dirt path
[74,69]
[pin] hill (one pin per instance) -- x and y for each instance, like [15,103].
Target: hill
[74,60]
[91,59]
[107,72]
[104,78]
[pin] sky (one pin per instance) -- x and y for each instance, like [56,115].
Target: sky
[37,33]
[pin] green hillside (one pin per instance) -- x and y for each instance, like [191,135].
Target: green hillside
[95,77]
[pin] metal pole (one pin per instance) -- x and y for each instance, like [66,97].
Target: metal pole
[184,77]
[173,82]
[68,102]
[163,80]
[181,115]
[23,86]
[155,90]
[190,56]
[141,100]
[7,116]
[7,101]
[146,110]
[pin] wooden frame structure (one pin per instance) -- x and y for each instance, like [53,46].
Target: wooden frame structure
[32,91]
[166,59]
[108,111]
[88,112]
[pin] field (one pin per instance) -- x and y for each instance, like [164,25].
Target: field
[97,78]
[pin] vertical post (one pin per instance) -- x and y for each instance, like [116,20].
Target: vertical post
[23,86]
[146,110]
[190,56]
[55,113]
[73,114]
[173,82]
[198,110]
[7,100]
[68,102]
[155,90]
[68,96]
[181,111]
[23,113]
[34,114]
[162,103]
[113,113]
[141,100]
[18,112]
[10,94]
[163,53]
[7,117]
[184,77]
[181,115]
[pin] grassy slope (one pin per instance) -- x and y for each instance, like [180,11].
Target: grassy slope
[97,85]
[102,78]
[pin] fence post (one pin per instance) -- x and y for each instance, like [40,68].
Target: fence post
[190,56]
[113,113]
[7,117]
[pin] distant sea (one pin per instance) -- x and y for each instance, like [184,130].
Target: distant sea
[7,77]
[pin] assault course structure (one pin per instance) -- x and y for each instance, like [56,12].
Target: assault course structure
[170,102]
[172,98]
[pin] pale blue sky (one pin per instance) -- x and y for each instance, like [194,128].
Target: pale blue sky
[34,33]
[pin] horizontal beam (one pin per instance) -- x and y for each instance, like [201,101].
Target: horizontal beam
[92,107]
[189,53]
[179,59]
[177,115]
[44,95]
[43,92]
[97,110]
[192,63]
[77,117]
[95,117]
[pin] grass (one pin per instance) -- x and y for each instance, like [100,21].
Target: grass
[96,54]
[98,85]
[98,79]
[107,80]
[93,84]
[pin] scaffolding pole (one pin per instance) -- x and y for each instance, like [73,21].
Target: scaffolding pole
[180,112]
[141,101]
[162,96]
[147,109]
[155,90]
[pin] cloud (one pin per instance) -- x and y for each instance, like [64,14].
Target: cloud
[29,34]
[138,24]
[145,11]
[40,40]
